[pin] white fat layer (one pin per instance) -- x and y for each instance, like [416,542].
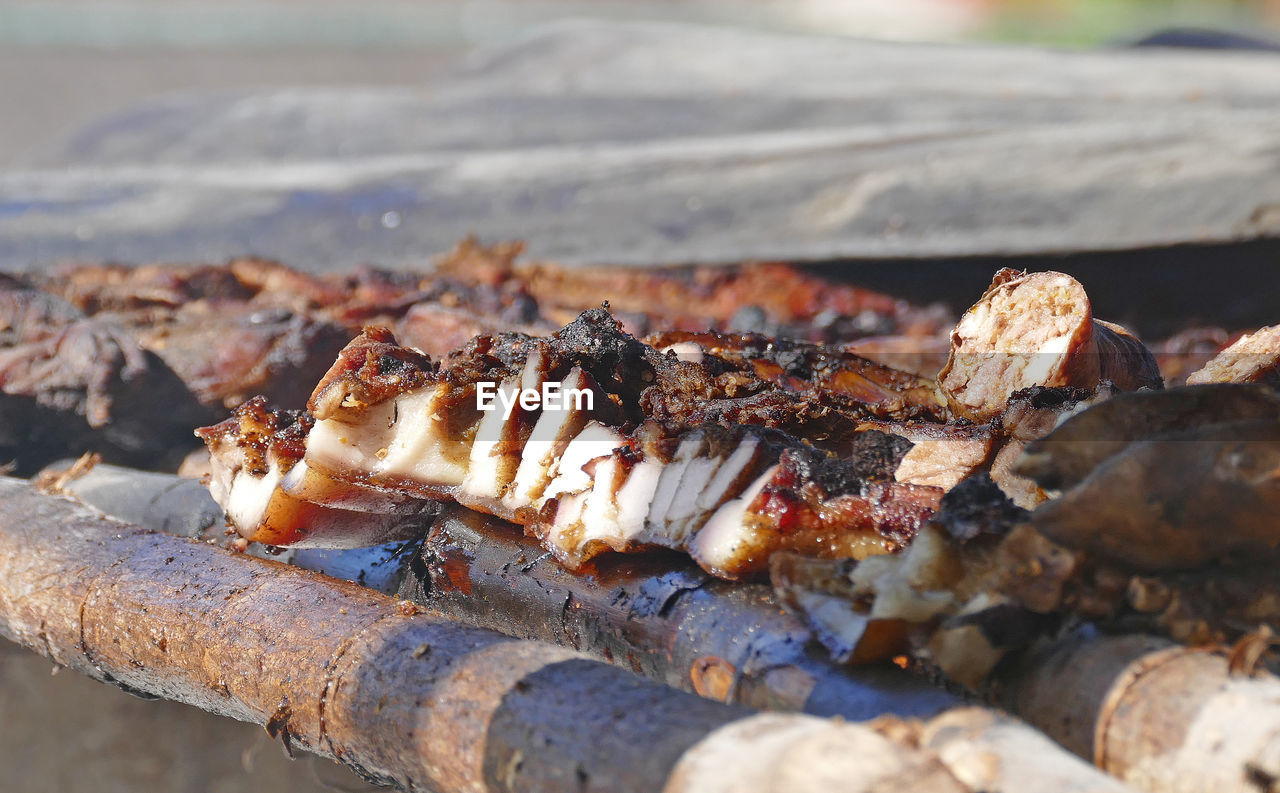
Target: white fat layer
[686,351]
[421,448]
[542,452]
[249,497]
[669,484]
[507,462]
[533,373]
[727,481]
[600,517]
[636,496]
[595,441]
[492,451]
[715,546]
[338,446]
[406,438]
[1039,366]
[567,520]
[683,516]
[225,461]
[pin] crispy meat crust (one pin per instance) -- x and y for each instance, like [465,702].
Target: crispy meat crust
[865,386]
[373,368]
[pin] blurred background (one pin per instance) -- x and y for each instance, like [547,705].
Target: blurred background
[66,62]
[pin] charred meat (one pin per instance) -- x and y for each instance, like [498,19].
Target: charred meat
[599,469]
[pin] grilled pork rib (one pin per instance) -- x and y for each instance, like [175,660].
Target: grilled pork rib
[595,474]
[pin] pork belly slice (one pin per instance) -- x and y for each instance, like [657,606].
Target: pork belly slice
[255,451]
[262,512]
[572,471]
[386,416]
[560,526]
[588,475]
[420,441]
[609,512]
[621,510]
[711,465]
[690,447]
[735,474]
[500,440]
[810,504]
[540,459]
[683,515]
[710,482]
[634,498]
[587,523]
[432,441]
[495,454]
[717,546]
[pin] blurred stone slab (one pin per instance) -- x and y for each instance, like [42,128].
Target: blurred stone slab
[644,144]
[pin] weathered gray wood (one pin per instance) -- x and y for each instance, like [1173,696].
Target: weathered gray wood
[641,144]
[423,703]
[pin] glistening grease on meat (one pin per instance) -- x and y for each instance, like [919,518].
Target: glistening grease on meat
[590,475]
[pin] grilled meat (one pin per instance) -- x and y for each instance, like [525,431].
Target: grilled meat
[227,352]
[599,472]
[770,298]
[1036,330]
[29,315]
[923,355]
[1188,351]
[1253,358]
[808,368]
[944,455]
[1161,519]
[260,478]
[87,386]
[941,455]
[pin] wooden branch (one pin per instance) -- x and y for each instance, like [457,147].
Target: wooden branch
[1160,716]
[657,614]
[425,703]
[334,668]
